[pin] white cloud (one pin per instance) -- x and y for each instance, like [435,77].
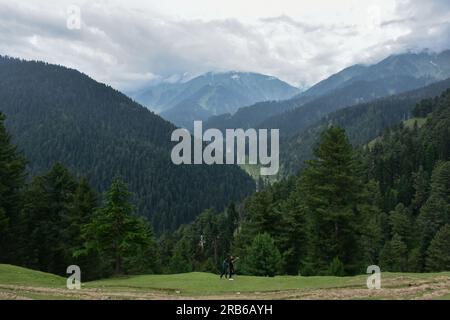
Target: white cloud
[128,45]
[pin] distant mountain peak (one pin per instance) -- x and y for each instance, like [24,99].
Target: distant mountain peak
[179,78]
[412,63]
[212,93]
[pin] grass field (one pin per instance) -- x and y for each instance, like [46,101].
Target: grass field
[21,283]
[410,122]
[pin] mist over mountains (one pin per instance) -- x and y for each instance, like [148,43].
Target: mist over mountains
[353,85]
[211,94]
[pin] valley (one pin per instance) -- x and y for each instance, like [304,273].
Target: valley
[224,153]
[364,167]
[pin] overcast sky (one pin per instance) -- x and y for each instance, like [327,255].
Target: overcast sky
[129,43]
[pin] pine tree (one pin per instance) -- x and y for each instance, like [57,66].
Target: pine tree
[166,243]
[394,256]
[262,257]
[435,213]
[259,216]
[372,237]
[45,244]
[440,180]
[331,190]
[293,233]
[401,223]
[12,179]
[115,233]
[260,209]
[438,253]
[336,268]
[80,209]
[143,257]
[372,224]
[415,260]
[421,184]
[180,262]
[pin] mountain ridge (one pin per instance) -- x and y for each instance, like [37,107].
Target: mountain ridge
[392,75]
[212,93]
[362,122]
[57,114]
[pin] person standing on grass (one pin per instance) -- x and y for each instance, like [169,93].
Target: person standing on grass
[225,268]
[231,266]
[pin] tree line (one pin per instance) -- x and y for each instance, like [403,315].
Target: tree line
[386,203]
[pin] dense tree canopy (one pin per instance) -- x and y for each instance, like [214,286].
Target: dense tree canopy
[12,177]
[57,114]
[385,203]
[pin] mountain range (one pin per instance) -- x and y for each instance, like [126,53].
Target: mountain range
[353,85]
[362,122]
[56,114]
[211,94]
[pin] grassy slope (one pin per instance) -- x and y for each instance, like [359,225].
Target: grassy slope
[13,275]
[410,122]
[198,284]
[407,123]
[254,171]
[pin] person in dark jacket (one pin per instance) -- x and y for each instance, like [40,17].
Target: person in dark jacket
[225,268]
[231,266]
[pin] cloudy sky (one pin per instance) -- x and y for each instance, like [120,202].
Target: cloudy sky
[131,43]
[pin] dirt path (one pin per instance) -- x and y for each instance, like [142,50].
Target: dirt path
[395,288]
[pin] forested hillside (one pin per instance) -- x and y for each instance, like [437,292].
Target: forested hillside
[297,120]
[60,115]
[388,204]
[363,123]
[56,220]
[385,204]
